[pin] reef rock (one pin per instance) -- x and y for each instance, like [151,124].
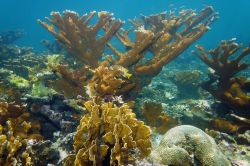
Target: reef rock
[187,145]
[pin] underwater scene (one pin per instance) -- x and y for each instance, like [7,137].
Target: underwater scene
[125,83]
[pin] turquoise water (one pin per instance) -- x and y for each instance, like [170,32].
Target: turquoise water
[15,14]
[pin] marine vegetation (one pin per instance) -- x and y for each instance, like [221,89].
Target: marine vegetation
[164,36]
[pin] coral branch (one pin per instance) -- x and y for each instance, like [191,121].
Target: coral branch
[219,59]
[164,36]
[233,91]
[79,38]
[175,38]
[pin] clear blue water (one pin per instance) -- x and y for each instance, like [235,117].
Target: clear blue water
[22,14]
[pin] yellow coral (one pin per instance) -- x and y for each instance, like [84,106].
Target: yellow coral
[16,128]
[11,146]
[110,130]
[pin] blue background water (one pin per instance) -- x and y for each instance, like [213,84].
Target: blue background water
[22,14]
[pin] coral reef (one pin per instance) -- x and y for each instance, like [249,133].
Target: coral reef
[16,129]
[55,114]
[165,40]
[53,47]
[223,84]
[79,94]
[109,134]
[7,49]
[70,83]
[10,37]
[235,148]
[187,83]
[180,144]
[79,38]
[113,80]
[43,153]
[156,118]
[20,120]
[159,34]
[39,90]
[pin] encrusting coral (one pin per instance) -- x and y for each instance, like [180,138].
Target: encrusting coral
[110,135]
[164,39]
[223,83]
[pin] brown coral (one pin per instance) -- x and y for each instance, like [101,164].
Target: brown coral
[109,134]
[231,90]
[70,82]
[110,80]
[164,39]
[79,38]
[156,118]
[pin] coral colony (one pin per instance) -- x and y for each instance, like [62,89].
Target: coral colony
[90,101]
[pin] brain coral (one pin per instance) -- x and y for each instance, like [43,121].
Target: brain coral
[184,145]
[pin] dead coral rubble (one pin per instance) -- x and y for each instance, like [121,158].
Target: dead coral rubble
[223,83]
[164,39]
[108,134]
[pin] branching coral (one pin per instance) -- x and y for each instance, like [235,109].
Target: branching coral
[156,118]
[163,36]
[109,134]
[223,84]
[79,38]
